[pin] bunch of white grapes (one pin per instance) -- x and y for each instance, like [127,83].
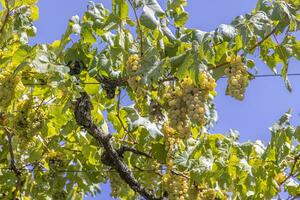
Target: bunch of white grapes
[176,185]
[237,77]
[132,66]
[29,120]
[8,84]
[186,103]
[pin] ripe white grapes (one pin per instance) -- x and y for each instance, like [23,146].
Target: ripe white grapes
[132,65]
[176,186]
[237,77]
[8,84]
[186,103]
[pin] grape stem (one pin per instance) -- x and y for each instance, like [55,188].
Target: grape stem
[124,149]
[82,112]
[120,120]
[138,25]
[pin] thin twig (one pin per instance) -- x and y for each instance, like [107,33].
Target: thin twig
[283,53]
[180,174]
[139,26]
[291,174]
[120,120]
[124,149]
[118,111]
[147,170]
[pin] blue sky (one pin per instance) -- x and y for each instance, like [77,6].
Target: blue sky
[266,98]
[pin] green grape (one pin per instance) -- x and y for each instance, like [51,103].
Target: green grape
[208,194]
[55,160]
[29,120]
[8,84]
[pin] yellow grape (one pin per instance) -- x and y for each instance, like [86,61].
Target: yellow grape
[279,178]
[186,103]
[237,77]
[133,63]
[8,84]
[176,185]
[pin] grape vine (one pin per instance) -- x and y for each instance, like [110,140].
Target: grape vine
[126,97]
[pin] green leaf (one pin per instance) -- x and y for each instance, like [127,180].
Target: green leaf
[261,22]
[87,35]
[148,18]
[292,187]
[285,77]
[228,31]
[135,121]
[34,12]
[152,66]
[181,19]
[158,151]
[155,7]
[151,9]
[75,24]
[283,122]
[123,9]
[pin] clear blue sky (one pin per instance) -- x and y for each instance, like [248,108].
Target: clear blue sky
[266,98]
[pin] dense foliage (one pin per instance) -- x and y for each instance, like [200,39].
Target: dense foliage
[65,126]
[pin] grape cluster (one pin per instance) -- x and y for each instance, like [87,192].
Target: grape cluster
[28,120]
[176,186]
[171,142]
[186,103]
[132,65]
[55,160]
[237,77]
[200,193]
[8,84]
[207,194]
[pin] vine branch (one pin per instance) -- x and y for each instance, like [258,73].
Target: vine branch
[13,166]
[124,149]
[83,118]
